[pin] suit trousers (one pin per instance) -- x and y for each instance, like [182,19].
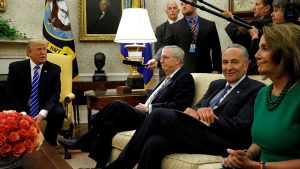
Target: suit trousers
[166,133]
[116,117]
[55,119]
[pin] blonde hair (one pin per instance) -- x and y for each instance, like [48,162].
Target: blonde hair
[35,41]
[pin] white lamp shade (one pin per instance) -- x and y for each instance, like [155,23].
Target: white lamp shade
[135,27]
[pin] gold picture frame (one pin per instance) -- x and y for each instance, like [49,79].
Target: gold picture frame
[89,10]
[241,7]
[2,5]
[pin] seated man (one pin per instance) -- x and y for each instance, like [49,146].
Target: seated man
[119,116]
[33,87]
[221,119]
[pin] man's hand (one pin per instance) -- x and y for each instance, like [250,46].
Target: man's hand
[253,33]
[151,64]
[228,14]
[207,115]
[38,118]
[142,107]
[192,113]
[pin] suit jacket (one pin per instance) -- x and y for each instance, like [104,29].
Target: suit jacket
[242,37]
[160,34]
[178,92]
[107,25]
[207,57]
[235,112]
[19,85]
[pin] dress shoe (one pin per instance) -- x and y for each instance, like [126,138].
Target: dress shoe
[72,144]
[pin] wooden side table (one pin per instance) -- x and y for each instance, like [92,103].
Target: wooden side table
[97,99]
[79,87]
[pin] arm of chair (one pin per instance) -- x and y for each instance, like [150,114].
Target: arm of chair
[68,100]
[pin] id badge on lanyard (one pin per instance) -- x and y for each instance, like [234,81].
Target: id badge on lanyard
[192,48]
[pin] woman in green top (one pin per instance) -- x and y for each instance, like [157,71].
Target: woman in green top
[276,125]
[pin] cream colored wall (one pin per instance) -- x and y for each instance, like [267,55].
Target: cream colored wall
[27,16]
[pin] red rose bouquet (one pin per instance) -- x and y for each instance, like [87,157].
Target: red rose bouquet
[19,134]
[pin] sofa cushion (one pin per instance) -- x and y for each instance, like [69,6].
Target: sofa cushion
[174,161]
[192,161]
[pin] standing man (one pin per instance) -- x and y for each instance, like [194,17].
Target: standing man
[226,108]
[172,12]
[119,116]
[198,38]
[33,87]
[250,38]
[106,22]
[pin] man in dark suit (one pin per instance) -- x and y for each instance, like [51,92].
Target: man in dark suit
[20,92]
[106,22]
[250,38]
[119,116]
[198,38]
[226,109]
[172,12]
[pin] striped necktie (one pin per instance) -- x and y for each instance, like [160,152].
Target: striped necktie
[217,100]
[34,102]
[193,29]
[155,92]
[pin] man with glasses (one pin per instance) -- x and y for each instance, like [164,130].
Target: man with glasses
[119,116]
[221,119]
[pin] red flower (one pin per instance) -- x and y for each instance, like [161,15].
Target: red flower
[14,136]
[2,139]
[5,149]
[18,149]
[19,134]
[29,145]
[23,124]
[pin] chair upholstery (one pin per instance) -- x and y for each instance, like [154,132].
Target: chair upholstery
[66,95]
[186,161]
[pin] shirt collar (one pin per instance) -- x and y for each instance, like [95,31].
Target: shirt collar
[233,85]
[171,75]
[32,65]
[196,18]
[170,21]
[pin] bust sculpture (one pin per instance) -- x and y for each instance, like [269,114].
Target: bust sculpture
[99,60]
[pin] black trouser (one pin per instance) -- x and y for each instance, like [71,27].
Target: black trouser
[165,132]
[115,117]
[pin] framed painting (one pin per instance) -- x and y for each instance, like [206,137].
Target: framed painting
[99,19]
[241,7]
[2,5]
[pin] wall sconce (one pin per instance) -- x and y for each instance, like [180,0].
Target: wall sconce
[135,28]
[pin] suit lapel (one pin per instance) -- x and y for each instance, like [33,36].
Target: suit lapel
[27,75]
[236,91]
[216,91]
[43,75]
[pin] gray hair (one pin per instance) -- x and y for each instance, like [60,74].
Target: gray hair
[175,52]
[281,4]
[242,48]
[171,1]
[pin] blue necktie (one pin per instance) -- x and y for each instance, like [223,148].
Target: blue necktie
[34,101]
[216,101]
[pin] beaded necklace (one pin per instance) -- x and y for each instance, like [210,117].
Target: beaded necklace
[273,104]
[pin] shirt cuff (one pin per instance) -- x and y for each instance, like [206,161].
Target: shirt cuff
[44,113]
[23,113]
[149,108]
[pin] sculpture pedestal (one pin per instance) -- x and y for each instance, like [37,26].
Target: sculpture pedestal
[99,75]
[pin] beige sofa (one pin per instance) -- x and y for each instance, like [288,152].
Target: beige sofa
[183,161]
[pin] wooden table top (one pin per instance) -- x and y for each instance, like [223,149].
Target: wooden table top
[45,158]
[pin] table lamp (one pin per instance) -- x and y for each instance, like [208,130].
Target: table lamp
[135,28]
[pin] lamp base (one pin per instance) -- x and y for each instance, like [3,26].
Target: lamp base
[135,82]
